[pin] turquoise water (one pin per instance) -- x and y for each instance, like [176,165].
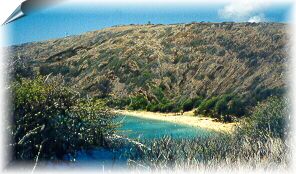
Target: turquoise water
[135,127]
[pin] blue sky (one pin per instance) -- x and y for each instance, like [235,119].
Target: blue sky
[63,20]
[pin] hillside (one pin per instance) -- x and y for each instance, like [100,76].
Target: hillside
[174,62]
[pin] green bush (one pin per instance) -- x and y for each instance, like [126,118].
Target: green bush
[236,106]
[261,94]
[207,106]
[118,103]
[138,102]
[153,107]
[167,107]
[268,118]
[189,104]
[222,107]
[158,92]
[50,121]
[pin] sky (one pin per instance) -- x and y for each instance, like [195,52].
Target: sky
[66,19]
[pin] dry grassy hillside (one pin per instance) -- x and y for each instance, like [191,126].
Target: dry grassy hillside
[172,61]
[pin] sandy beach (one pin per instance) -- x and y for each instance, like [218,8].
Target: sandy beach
[187,118]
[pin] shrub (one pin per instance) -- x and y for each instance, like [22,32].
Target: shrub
[263,93]
[138,102]
[167,107]
[153,107]
[221,106]
[236,106]
[189,104]
[224,106]
[50,121]
[268,118]
[207,105]
[118,103]
[158,92]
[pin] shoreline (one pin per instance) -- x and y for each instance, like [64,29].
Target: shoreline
[187,118]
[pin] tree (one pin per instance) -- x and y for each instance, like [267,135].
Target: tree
[138,102]
[207,105]
[221,107]
[189,104]
[50,121]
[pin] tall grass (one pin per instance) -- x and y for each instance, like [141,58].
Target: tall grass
[215,152]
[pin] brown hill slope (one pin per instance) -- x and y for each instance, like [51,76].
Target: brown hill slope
[171,61]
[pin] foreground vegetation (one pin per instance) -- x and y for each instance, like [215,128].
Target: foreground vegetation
[49,120]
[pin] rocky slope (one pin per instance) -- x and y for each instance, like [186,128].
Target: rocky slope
[180,60]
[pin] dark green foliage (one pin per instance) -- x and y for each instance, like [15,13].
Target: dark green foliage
[185,59]
[121,103]
[50,120]
[236,106]
[163,107]
[189,104]
[153,107]
[162,104]
[138,102]
[220,52]
[263,93]
[225,41]
[172,76]
[167,107]
[74,72]
[158,92]
[268,118]
[207,105]
[222,107]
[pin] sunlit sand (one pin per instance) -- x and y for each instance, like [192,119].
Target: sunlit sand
[187,118]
